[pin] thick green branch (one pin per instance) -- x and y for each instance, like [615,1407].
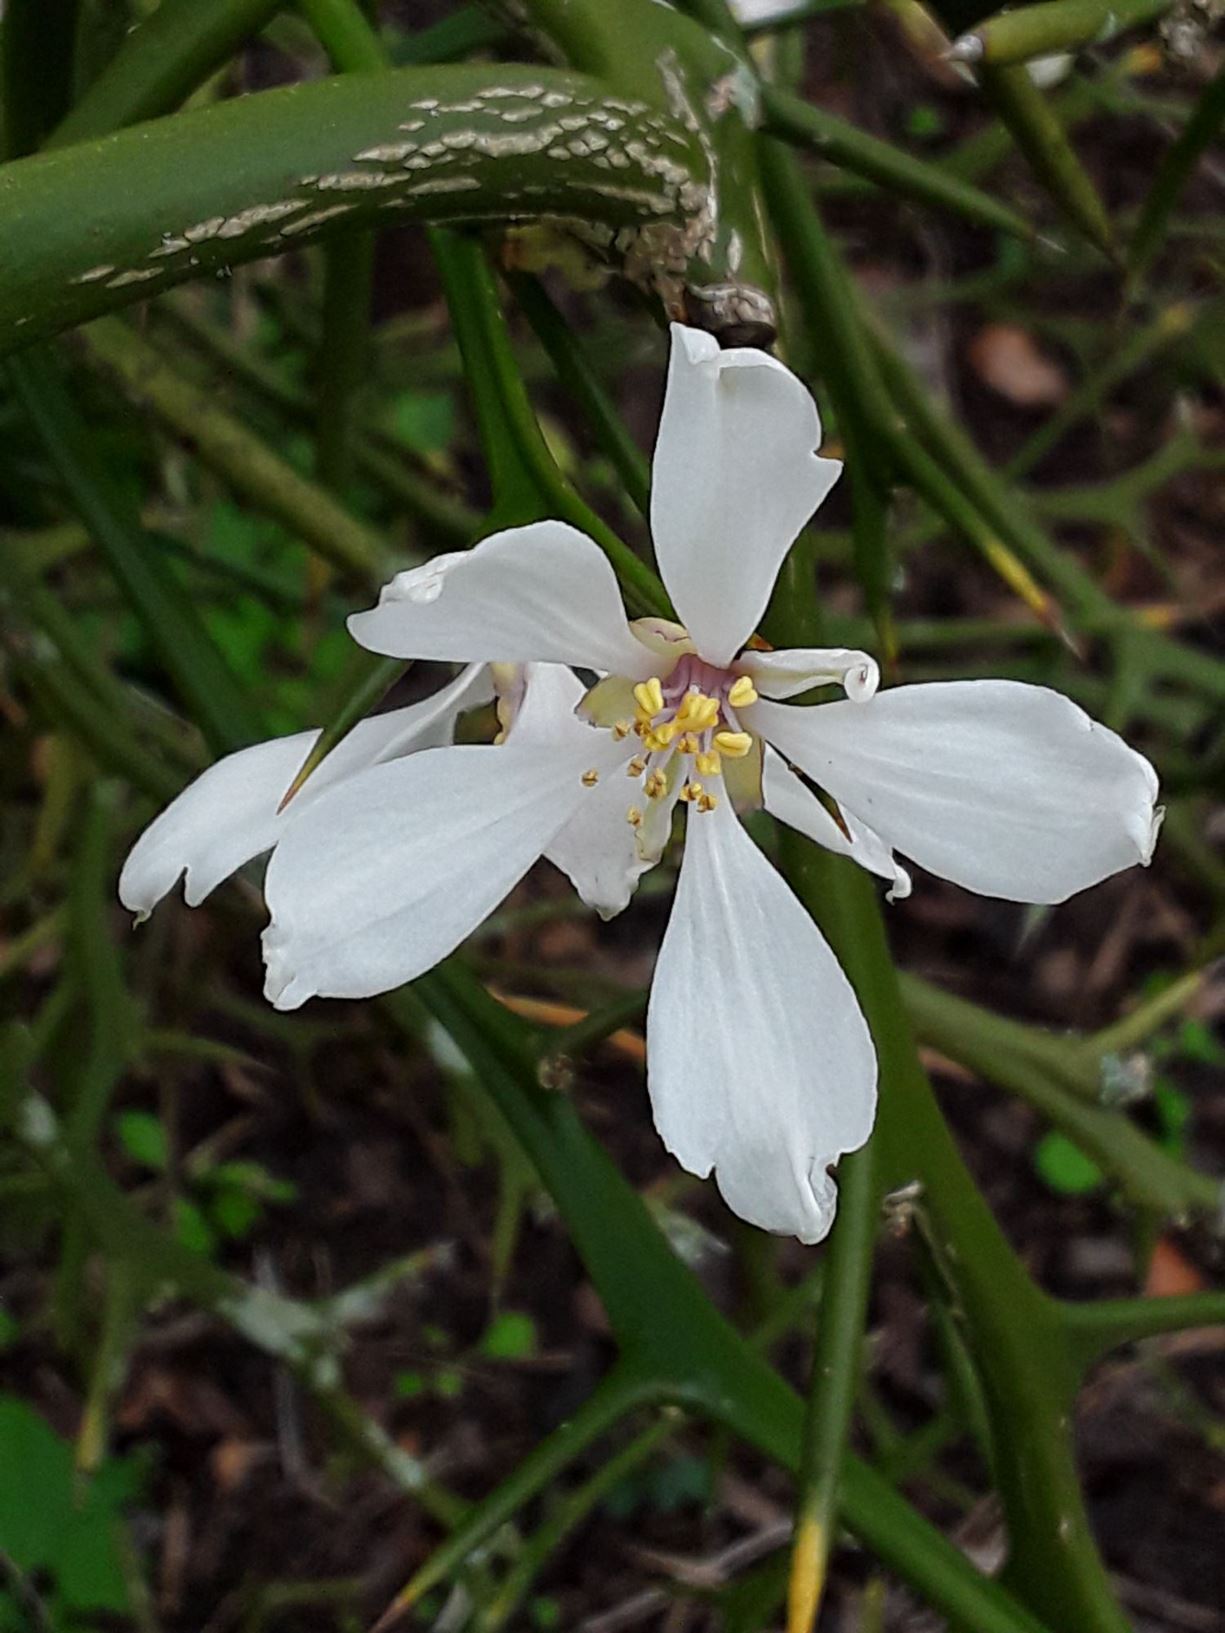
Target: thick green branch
[101,224]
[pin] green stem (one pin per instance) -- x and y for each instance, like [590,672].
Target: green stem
[161,61]
[526,481]
[117,219]
[1095,1329]
[230,447]
[344,356]
[1054,25]
[843,144]
[835,1378]
[579,378]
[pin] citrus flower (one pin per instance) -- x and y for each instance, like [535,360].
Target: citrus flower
[760,1065]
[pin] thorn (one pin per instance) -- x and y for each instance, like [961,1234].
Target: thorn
[308,765]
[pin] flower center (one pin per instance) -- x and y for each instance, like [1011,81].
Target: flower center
[688,726]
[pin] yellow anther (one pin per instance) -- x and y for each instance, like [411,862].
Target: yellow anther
[664,734]
[735,744]
[622,729]
[692,791]
[649,696]
[590,778]
[707,802]
[636,766]
[710,763]
[656,785]
[634,817]
[688,743]
[698,712]
[641,728]
[742,693]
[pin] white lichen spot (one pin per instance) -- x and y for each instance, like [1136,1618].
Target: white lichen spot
[387,152]
[94,273]
[354,181]
[204,230]
[412,124]
[444,184]
[258,215]
[315,219]
[138,275]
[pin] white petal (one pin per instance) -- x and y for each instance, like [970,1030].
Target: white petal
[543,593]
[760,1064]
[597,848]
[784,674]
[387,874]
[787,798]
[228,815]
[1007,789]
[735,478]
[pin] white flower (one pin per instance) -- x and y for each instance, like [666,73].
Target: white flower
[229,814]
[761,1067]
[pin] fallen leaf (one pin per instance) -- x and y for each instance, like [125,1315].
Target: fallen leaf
[1006,358]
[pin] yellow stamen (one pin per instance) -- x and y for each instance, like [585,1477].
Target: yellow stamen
[636,766]
[655,785]
[665,733]
[622,729]
[742,693]
[634,816]
[692,791]
[641,727]
[707,802]
[735,744]
[688,743]
[710,763]
[649,696]
[698,712]
[590,778]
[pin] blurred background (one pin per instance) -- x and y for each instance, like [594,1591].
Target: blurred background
[165,1462]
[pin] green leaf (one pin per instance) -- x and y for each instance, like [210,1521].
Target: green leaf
[424,420]
[1064,1166]
[49,1523]
[192,1228]
[510,1336]
[234,1213]
[408,1385]
[143,1137]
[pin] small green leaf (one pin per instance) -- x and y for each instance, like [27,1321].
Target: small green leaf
[408,1385]
[234,1213]
[424,420]
[143,1137]
[679,1481]
[253,1179]
[1064,1166]
[511,1336]
[192,1228]
[448,1384]
[49,1522]
[1197,1042]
